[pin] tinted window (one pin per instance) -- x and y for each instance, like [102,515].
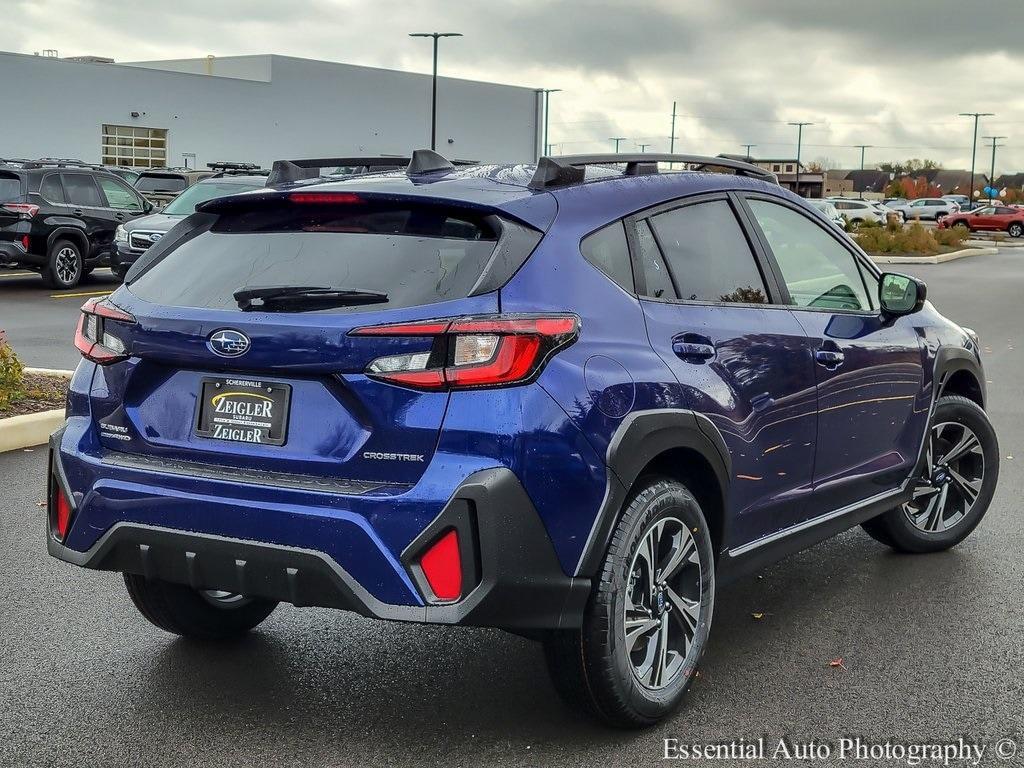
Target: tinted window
[606,249]
[160,183]
[1005,211]
[708,254]
[659,283]
[817,269]
[416,256]
[10,188]
[81,190]
[51,190]
[119,195]
[186,202]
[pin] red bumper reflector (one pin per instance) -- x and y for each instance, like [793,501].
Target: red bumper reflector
[442,566]
[62,516]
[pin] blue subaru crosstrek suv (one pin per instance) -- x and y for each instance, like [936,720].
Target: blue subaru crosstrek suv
[569,400]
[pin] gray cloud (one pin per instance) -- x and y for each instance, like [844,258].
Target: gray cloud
[894,75]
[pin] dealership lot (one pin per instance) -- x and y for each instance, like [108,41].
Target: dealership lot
[936,639]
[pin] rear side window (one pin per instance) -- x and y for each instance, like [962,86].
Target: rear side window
[416,255]
[607,250]
[51,189]
[160,183]
[709,255]
[656,277]
[80,189]
[10,188]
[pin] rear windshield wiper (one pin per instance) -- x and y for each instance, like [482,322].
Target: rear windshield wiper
[299,297]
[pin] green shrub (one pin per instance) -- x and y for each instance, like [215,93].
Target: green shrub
[912,239]
[11,379]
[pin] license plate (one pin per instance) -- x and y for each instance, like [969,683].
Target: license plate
[244,410]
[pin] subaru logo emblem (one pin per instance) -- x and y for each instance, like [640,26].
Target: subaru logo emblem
[228,342]
[154,237]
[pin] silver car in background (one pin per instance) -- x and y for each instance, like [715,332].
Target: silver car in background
[828,210]
[929,208]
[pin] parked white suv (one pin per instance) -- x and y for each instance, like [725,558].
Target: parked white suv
[933,208]
[857,211]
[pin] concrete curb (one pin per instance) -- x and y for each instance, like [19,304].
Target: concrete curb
[29,429]
[939,259]
[51,372]
[986,242]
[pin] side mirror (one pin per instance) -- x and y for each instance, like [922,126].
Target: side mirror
[901,294]
[147,206]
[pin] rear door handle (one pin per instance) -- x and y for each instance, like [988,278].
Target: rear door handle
[692,346]
[829,358]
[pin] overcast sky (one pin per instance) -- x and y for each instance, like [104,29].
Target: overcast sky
[891,73]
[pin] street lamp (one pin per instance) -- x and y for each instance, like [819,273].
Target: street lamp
[433,97]
[643,147]
[747,147]
[799,141]
[974,145]
[862,148]
[992,172]
[547,101]
[617,139]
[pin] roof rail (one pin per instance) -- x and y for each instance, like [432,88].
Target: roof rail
[226,166]
[566,170]
[50,162]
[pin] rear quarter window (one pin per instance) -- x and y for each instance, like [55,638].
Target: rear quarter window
[416,255]
[10,187]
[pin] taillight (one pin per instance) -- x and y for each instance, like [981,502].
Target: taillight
[97,334]
[442,567]
[472,352]
[324,198]
[27,209]
[60,511]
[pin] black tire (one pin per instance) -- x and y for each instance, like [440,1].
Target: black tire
[896,529]
[1016,229]
[64,267]
[591,667]
[182,610]
[961,223]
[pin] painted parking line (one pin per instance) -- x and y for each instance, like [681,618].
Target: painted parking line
[78,295]
[18,274]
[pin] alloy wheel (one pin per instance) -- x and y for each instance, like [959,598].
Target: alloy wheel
[222,599]
[67,266]
[952,482]
[663,606]
[1016,230]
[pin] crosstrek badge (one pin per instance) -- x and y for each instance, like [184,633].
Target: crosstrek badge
[243,411]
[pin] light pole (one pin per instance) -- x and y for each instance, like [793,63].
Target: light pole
[992,172]
[433,95]
[643,147]
[617,139]
[799,142]
[747,147]
[547,102]
[974,146]
[862,148]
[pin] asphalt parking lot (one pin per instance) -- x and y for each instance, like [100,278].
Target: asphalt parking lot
[40,321]
[931,645]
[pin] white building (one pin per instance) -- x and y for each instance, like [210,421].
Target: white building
[253,109]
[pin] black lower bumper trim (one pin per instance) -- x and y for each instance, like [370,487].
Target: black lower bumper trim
[521,585]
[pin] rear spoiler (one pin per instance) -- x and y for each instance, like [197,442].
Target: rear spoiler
[421,161]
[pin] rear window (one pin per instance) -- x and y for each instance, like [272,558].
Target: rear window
[416,255]
[186,202]
[160,183]
[10,188]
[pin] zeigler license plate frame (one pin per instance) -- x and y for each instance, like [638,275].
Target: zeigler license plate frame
[242,410]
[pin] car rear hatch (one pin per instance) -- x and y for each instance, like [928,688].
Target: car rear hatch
[11,191]
[161,187]
[200,380]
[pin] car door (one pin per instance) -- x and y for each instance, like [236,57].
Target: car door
[872,398]
[86,203]
[121,204]
[740,357]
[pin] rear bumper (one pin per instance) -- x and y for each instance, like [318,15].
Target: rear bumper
[518,583]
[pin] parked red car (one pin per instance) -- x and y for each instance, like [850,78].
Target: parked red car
[990,218]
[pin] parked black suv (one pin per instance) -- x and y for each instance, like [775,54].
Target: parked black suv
[58,218]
